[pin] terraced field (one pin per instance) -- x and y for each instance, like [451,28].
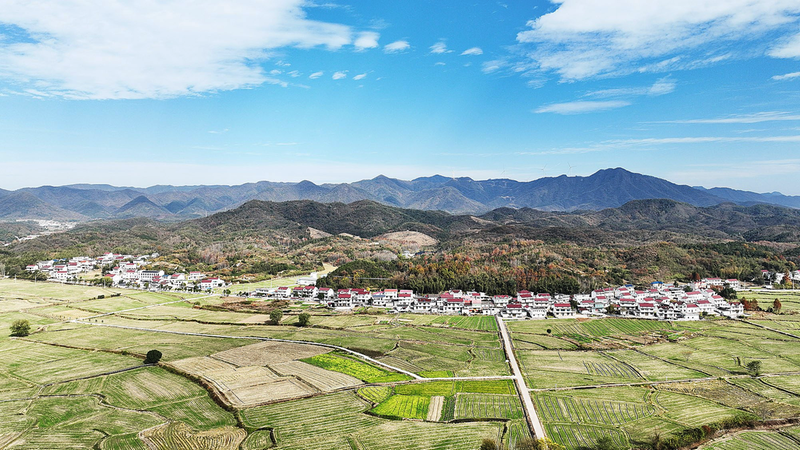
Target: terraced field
[488,406]
[755,440]
[554,408]
[104,400]
[404,407]
[178,435]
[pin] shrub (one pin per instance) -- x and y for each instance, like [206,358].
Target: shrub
[275,316]
[153,357]
[303,319]
[20,328]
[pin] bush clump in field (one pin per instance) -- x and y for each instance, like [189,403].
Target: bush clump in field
[20,328]
[754,368]
[153,357]
[490,444]
[303,319]
[275,316]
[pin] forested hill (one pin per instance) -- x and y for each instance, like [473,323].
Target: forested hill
[635,222]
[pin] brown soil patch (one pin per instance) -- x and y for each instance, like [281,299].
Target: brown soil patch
[435,408]
[408,238]
[255,306]
[265,353]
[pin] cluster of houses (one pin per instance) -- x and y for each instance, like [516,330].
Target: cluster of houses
[661,301]
[124,270]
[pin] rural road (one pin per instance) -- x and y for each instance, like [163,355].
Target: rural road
[527,403]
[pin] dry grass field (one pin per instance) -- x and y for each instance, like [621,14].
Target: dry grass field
[265,353]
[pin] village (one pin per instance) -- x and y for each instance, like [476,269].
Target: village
[662,301]
[123,271]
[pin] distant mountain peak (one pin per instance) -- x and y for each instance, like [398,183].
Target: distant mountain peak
[606,188]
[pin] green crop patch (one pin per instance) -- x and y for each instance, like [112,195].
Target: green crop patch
[429,389]
[357,369]
[404,407]
[375,394]
[488,406]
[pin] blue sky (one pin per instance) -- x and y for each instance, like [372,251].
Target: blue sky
[203,92]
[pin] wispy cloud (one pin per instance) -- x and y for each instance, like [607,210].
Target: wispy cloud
[662,86]
[360,76]
[339,75]
[581,107]
[316,75]
[218,131]
[107,50]
[396,47]
[474,51]
[759,117]
[788,76]
[439,48]
[789,48]
[493,65]
[585,38]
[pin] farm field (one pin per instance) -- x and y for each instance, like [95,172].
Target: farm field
[686,354]
[755,440]
[80,385]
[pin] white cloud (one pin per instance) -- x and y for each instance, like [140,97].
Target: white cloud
[294,74]
[580,107]
[662,86]
[439,63]
[474,51]
[759,117]
[339,75]
[360,76]
[493,66]
[790,48]
[116,50]
[316,75]
[397,47]
[788,76]
[439,48]
[366,40]
[587,38]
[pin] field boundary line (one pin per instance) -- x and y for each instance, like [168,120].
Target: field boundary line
[142,307]
[674,363]
[534,424]
[770,329]
[257,338]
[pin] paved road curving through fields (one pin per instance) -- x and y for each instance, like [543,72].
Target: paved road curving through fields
[527,404]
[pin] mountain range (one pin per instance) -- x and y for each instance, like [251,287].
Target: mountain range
[609,188]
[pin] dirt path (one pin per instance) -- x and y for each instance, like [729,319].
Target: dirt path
[527,403]
[435,408]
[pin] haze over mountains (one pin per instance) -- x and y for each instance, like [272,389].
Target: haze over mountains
[609,188]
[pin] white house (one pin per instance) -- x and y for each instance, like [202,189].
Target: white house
[211,283]
[563,310]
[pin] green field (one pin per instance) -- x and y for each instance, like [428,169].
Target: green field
[97,394]
[354,368]
[755,440]
[614,352]
[404,407]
